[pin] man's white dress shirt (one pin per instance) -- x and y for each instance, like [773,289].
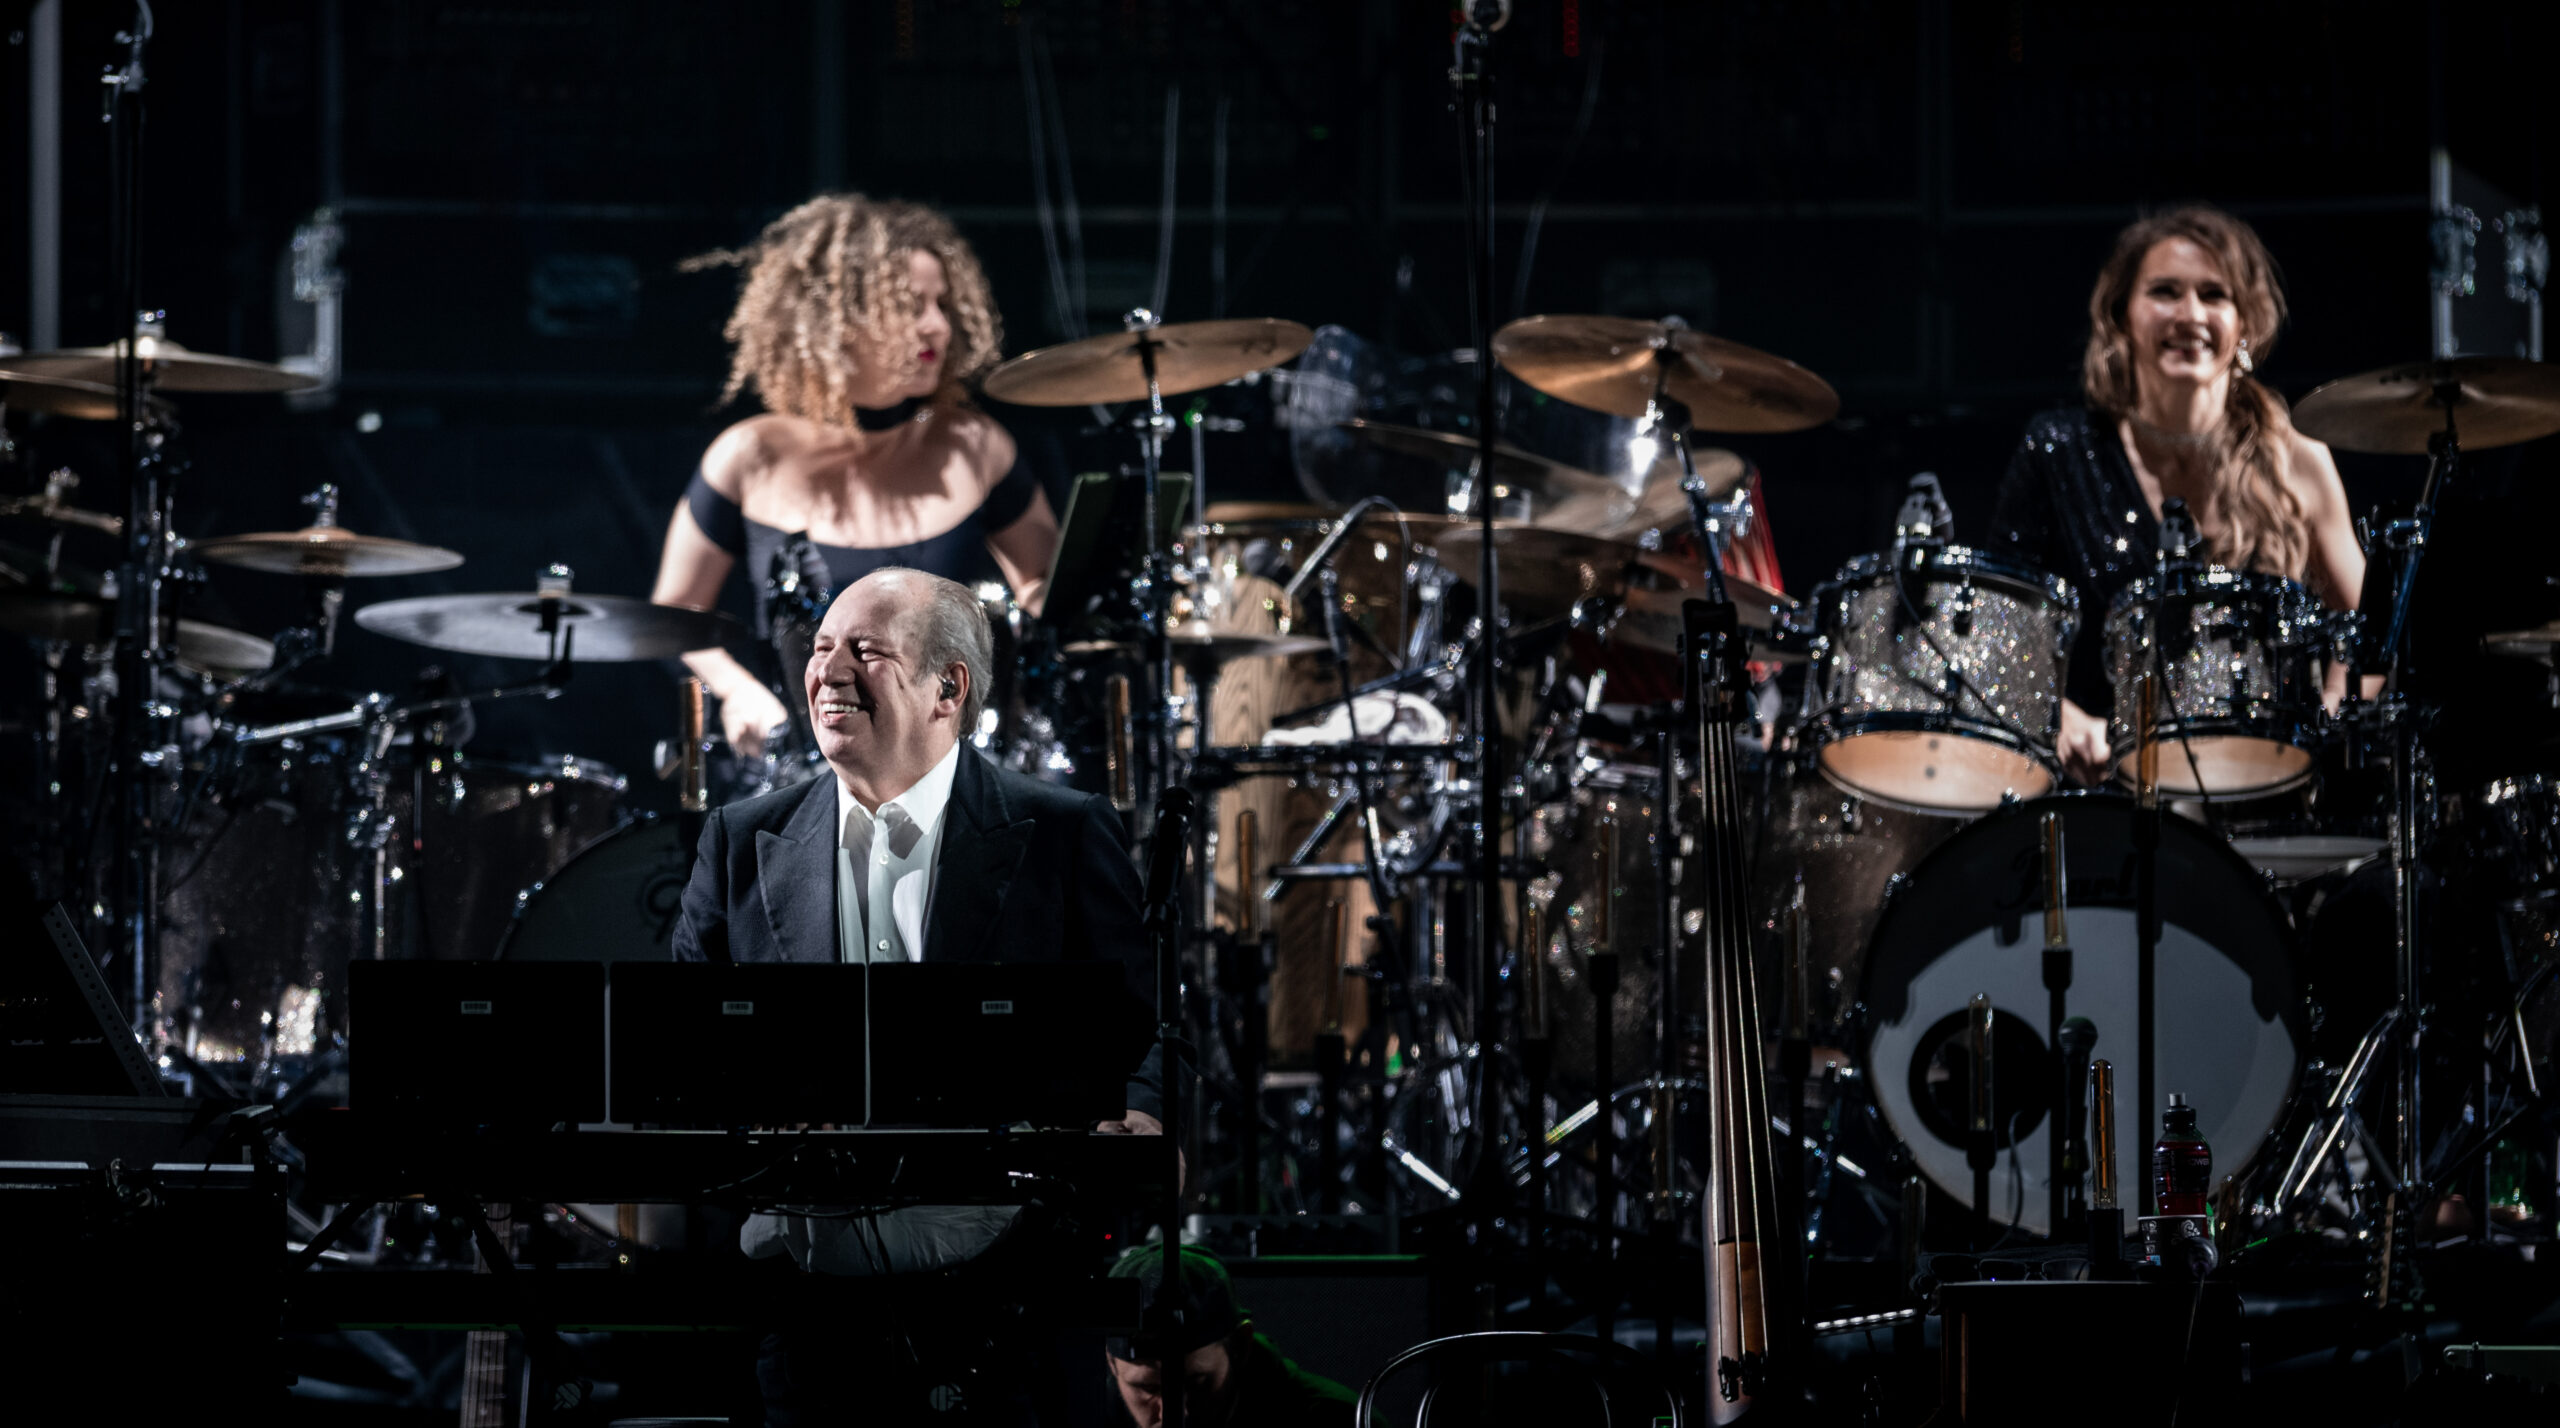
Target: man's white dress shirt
[885,861]
[884,867]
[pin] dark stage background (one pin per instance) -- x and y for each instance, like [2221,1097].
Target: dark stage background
[1911,199]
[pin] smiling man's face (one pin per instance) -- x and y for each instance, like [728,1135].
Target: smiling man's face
[879,714]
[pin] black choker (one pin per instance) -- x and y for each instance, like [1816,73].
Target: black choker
[885,418]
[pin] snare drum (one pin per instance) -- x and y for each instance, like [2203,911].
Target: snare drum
[2241,656]
[1938,676]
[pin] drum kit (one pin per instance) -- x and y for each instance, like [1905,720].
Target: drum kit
[1305,666]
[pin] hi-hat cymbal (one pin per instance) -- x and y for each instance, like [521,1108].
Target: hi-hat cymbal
[1566,497]
[2536,643]
[216,650]
[1611,364]
[1189,356]
[1652,619]
[609,628]
[1543,571]
[329,551]
[58,396]
[1662,502]
[52,510]
[173,369]
[2498,401]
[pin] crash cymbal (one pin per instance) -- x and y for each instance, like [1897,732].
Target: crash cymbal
[59,396]
[1566,497]
[2498,401]
[608,628]
[214,650]
[1189,356]
[173,368]
[1662,503]
[1543,571]
[330,551]
[1609,364]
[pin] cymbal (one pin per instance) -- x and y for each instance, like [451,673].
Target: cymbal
[609,628]
[1189,356]
[216,650]
[1652,619]
[1609,364]
[1543,570]
[1663,503]
[2536,643]
[330,551]
[59,396]
[1566,497]
[1215,651]
[173,369]
[53,511]
[2394,410]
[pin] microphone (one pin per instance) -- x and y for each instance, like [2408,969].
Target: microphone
[2178,536]
[1165,847]
[1925,514]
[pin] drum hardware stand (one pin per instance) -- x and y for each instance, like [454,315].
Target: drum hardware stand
[1469,74]
[2146,907]
[2062,1170]
[1167,845]
[1154,585]
[1981,1145]
[1600,973]
[1255,996]
[1671,1032]
[1537,1064]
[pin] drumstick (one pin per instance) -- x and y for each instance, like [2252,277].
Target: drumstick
[2057,932]
[1119,757]
[694,798]
[2146,748]
[2102,1080]
[1340,908]
[1257,913]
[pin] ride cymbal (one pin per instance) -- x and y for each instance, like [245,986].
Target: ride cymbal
[2396,411]
[1105,369]
[1613,364]
[173,368]
[609,628]
[215,650]
[332,552]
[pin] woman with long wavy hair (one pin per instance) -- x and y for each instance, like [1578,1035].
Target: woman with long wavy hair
[857,325]
[2185,309]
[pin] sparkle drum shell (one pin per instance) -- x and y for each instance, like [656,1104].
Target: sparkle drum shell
[2242,656]
[1890,720]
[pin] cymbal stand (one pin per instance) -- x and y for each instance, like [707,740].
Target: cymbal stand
[1669,416]
[1491,1192]
[144,604]
[1154,584]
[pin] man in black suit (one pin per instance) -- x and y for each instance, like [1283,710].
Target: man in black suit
[918,848]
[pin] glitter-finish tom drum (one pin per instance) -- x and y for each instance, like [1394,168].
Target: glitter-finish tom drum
[2241,658]
[1939,677]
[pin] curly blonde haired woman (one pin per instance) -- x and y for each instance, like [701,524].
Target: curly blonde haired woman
[857,325]
[2184,310]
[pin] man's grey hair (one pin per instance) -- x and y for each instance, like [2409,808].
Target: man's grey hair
[950,627]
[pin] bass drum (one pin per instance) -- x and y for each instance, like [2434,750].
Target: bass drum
[616,901]
[2229,1031]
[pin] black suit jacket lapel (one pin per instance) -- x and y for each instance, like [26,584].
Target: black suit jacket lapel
[982,848]
[796,873]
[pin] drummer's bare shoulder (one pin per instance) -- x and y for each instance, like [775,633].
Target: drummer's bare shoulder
[978,440]
[744,456]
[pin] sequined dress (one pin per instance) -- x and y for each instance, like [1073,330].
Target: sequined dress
[2069,505]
